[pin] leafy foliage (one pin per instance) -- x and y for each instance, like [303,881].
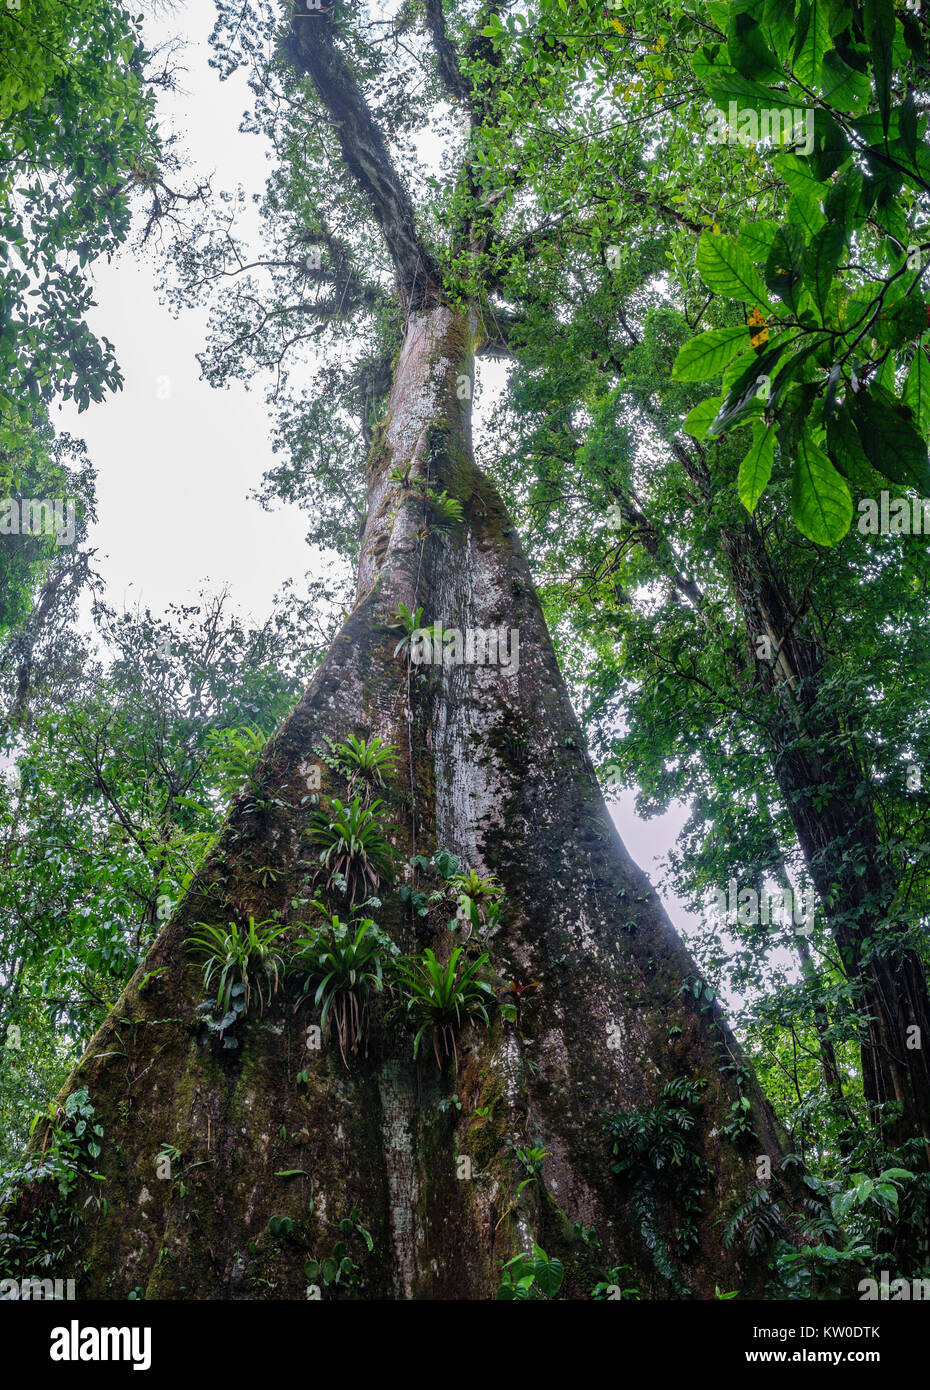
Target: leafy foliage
[339,1270]
[651,1150]
[249,959]
[71,1145]
[356,852]
[79,136]
[372,759]
[344,964]
[535,1276]
[818,384]
[235,753]
[440,998]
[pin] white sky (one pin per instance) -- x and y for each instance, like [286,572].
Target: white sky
[173,475]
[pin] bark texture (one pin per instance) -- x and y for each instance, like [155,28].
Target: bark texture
[494,769]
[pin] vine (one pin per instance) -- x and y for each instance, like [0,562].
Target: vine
[651,1151]
[71,1145]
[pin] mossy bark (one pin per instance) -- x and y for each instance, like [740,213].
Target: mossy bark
[493,768]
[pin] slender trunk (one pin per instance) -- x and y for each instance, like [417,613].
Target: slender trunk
[835,826]
[495,770]
[829,1066]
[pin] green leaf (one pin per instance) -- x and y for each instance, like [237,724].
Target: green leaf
[842,201]
[831,145]
[756,468]
[804,213]
[878,18]
[699,419]
[903,321]
[755,238]
[784,268]
[747,48]
[820,502]
[445,864]
[908,127]
[549,1275]
[842,86]
[744,396]
[707,354]
[812,41]
[917,390]
[845,450]
[726,269]
[794,409]
[799,175]
[890,439]
[823,257]
[841,1204]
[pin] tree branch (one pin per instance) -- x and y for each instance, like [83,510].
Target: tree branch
[447,58]
[312,47]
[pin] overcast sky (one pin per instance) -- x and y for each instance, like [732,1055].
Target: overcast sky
[173,475]
[175,458]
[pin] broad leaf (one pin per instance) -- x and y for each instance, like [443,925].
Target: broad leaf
[890,439]
[701,417]
[756,468]
[879,35]
[727,270]
[820,502]
[785,265]
[917,390]
[706,355]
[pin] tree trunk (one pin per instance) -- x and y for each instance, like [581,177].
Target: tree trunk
[839,839]
[494,769]
[837,834]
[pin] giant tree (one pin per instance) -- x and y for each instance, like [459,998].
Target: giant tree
[556,1075]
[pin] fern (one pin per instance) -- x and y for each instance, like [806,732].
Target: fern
[758,1218]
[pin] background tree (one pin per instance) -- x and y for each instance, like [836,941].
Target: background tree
[116,793]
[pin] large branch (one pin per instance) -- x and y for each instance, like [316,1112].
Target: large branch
[447,58]
[312,47]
